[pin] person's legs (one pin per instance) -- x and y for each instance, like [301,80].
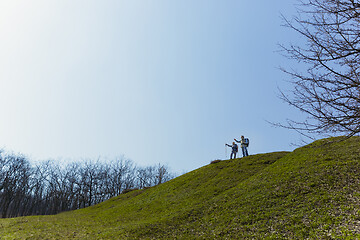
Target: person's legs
[243,151]
[231,155]
[246,151]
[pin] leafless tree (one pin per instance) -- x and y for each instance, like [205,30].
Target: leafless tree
[121,176]
[14,188]
[328,90]
[146,176]
[162,174]
[153,175]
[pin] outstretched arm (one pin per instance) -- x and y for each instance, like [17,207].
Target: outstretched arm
[237,141]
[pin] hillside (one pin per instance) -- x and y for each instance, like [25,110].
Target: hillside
[312,192]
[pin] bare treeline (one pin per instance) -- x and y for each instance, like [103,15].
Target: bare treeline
[50,188]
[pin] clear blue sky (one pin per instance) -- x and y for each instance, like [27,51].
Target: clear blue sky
[156,80]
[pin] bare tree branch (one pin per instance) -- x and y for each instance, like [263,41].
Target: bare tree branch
[328,92]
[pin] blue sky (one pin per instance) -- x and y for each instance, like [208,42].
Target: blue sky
[158,81]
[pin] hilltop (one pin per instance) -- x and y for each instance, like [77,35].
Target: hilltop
[312,192]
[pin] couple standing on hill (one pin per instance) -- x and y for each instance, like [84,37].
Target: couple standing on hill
[244,143]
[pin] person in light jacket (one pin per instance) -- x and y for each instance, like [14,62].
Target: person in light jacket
[244,143]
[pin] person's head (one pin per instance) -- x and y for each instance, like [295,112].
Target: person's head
[233,143]
[242,137]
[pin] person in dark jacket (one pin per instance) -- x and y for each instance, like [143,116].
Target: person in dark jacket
[234,149]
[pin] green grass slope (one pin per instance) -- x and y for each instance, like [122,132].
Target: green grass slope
[310,193]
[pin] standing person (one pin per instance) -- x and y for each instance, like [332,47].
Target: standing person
[234,149]
[244,145]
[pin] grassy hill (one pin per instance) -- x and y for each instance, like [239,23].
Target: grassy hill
[312,192]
